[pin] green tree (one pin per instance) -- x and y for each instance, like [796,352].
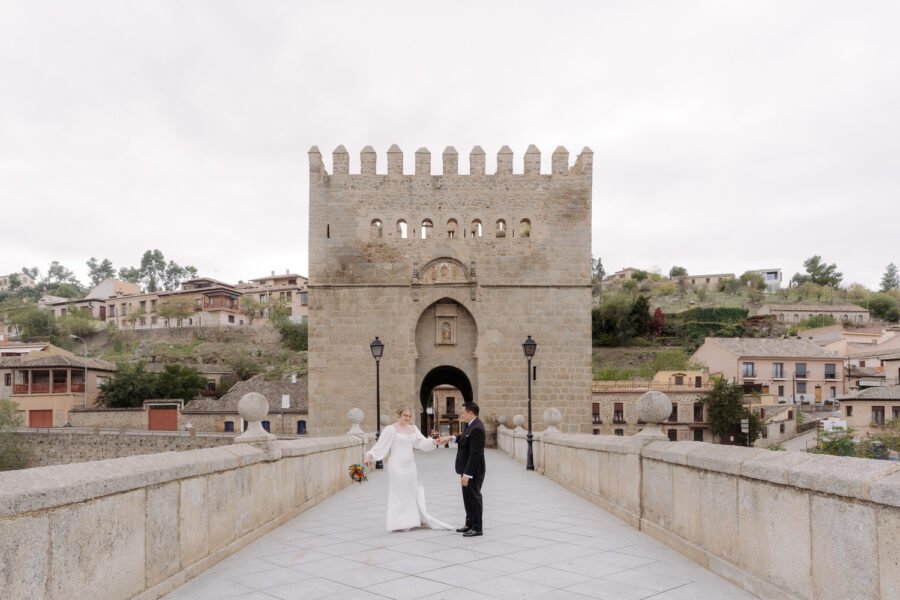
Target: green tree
[725,409]
[132,274]
[609,321]
[294,335]
[279,311]
[890,280]
[129,387]
[639,317]
[677,272]
[77,323]
[821,273]
[153,267]
[883,306]
[175,274]
[837,442]
[175,309]
[753,280]
[12,454]
[597,270]
[250,308]
[181,382]
[100,270]
[15,282]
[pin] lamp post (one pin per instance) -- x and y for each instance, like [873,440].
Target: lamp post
[84,344]
[529,346]
[377,347]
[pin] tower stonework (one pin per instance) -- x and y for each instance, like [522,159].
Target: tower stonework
[452,272]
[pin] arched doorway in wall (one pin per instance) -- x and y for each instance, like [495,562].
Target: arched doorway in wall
[442,394]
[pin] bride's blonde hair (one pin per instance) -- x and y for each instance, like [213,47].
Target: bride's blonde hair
[400,410]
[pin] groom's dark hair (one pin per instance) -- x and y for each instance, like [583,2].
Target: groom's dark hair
[471,407]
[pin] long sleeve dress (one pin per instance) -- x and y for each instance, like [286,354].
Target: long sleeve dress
[406,497]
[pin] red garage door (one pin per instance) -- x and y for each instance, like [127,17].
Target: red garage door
[163,419]
[40,418]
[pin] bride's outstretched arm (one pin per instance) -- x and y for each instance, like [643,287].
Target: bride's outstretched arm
[383,446]
[424,443]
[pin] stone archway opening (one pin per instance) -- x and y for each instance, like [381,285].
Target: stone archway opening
[443,392]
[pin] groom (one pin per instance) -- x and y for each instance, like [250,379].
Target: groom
[470,467]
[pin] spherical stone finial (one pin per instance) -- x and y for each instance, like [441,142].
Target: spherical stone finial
[356,416]
[552,418]
[518,421]
[253,407]
[385,420]
[654,407]
[502,419]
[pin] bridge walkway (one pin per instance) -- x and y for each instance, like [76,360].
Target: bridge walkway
[541,542]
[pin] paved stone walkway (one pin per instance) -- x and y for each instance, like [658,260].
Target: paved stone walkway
[541,542]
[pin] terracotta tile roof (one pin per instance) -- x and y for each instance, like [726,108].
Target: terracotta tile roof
[773,347]
[272,390]
[884,392]
[825,308]
[865,372]
[56,361]
[206,369]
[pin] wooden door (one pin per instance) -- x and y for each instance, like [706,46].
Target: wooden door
[163,419]
[40,418]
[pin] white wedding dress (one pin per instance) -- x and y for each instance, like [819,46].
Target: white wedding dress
[406,497]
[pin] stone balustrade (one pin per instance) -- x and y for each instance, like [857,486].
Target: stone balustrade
[779,524]
[138,527]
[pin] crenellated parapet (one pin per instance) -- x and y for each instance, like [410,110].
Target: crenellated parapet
[368,159]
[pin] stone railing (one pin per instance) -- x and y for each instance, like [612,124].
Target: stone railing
[779,524]
[138,527]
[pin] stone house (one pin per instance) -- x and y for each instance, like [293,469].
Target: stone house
[47,386]
[771,277]
[452,272]
[868,410]
[710,282]
[221,415]
[7,281]
[614,405]
[621,276]
[791,370]
[794,313]
[289,289]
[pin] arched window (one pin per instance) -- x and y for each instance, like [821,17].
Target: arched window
[427,229]
[451,229]
[501,228]
[376,228]
[301,427]
[781,317]
[476,228]
[796,318]
[844,317]
[524,228]
[402,229]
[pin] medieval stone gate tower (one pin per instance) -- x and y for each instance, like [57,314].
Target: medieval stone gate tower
[452,272]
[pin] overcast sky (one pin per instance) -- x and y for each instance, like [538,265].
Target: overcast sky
[726,135]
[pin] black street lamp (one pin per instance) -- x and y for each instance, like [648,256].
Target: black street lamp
[529,346]
[377,347]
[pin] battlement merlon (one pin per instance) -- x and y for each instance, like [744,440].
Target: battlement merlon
[559,164]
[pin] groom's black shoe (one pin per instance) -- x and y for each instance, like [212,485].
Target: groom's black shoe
[472,533]
[463,529]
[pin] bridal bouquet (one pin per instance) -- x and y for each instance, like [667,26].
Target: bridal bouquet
[358,473]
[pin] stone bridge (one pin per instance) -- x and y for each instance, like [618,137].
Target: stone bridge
[602,517]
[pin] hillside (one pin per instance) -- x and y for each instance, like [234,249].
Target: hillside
[247,350]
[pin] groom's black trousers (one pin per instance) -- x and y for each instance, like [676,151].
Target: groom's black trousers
[473,503]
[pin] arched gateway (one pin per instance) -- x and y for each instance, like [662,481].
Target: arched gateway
[452,272]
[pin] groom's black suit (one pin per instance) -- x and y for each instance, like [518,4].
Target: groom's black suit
[470,462]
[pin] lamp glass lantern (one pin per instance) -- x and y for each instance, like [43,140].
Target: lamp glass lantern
[529,347]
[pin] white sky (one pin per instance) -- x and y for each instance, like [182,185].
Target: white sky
[726,135]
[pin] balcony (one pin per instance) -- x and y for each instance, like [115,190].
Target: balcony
[619,419]
[596,420]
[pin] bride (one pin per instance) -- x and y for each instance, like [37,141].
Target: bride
[406,498]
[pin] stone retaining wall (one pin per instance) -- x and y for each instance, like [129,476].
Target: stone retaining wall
[779,524]
[141,526]
[63,446]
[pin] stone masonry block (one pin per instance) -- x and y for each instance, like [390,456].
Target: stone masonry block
[888,527]
[886,490]
[193,520]
[657,493]
[163,556]
[724,459]
[774,539]
[671,452]
[97,549]
[844,553]
[773,466]
[839,475]
[24,555]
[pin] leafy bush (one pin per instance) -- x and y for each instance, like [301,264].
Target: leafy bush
[294,335]
[12,454]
